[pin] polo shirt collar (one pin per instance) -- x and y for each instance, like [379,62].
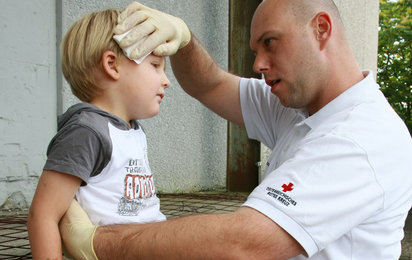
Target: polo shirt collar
[351,97]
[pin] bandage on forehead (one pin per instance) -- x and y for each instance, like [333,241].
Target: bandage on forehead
[128,50]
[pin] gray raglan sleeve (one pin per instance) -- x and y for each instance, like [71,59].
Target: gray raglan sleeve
[77,151]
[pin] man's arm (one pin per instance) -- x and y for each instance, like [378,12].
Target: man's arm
[243,234]
[201,77]
[55,192]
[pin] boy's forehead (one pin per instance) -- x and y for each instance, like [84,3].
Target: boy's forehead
[160,57]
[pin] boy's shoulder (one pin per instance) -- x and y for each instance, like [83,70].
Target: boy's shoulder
[90,116]
[84,124]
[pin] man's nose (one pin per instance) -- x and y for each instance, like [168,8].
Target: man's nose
[260,65]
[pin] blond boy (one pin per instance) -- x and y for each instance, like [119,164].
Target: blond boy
[99,154]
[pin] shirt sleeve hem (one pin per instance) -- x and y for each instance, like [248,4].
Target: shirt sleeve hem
[285,222]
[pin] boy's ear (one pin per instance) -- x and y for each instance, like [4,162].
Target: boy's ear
[110,64]
[322,24]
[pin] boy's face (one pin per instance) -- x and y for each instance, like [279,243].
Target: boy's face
[142,86]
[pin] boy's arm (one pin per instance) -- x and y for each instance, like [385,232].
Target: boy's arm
[54,194]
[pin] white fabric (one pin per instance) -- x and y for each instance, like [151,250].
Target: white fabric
[124,191]
[128,50]
[339,180]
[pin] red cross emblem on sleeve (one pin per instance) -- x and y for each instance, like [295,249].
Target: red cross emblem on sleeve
[288,187]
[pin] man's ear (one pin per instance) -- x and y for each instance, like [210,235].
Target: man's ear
[322,24]
[110,64]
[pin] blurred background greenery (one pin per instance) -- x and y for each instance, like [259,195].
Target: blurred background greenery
[394,56]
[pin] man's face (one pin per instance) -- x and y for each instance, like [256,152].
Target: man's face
[285,53]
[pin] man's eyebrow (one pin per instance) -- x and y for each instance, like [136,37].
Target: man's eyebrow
[273,32]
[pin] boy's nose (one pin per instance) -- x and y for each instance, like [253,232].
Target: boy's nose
[165,82]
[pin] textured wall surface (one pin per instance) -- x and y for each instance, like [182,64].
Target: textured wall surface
[28,92]
[187,143]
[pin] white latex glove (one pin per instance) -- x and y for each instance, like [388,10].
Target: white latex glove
[77,233]
[167,34]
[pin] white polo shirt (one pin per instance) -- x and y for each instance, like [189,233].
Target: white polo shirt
[338,181]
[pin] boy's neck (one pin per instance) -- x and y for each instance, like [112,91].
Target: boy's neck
[110,108]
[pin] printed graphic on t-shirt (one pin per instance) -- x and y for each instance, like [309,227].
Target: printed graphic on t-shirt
[139,190]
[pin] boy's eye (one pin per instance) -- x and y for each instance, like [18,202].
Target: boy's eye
[156,65]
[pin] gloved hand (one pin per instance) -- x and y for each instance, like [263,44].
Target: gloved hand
[167,34]
[77,233]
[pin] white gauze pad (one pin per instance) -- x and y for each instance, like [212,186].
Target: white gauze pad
[129,49]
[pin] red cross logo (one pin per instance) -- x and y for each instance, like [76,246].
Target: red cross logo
[288,187]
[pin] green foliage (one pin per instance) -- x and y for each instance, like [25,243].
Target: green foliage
[395,56]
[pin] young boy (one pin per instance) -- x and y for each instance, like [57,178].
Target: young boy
[99,154]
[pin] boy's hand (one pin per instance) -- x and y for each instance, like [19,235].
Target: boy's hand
[167,34]
[77,233]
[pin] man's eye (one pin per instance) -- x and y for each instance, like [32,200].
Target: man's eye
[268,41]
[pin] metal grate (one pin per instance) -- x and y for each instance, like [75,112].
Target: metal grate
[179,205]
[14,243]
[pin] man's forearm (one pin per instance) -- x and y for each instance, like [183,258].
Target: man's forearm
[245,234]
[185,238]
[196,70]
[190,66]
[202,78]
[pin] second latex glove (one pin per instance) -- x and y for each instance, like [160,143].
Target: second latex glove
[77,233]
[166,33]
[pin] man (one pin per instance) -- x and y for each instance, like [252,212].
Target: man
[331,189]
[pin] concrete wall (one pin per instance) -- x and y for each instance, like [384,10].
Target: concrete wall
[187,143]
[28,92]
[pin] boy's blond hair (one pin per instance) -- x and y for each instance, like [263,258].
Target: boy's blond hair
[82,48]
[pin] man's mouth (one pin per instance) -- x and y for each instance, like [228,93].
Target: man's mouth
[275,81]
[271,83]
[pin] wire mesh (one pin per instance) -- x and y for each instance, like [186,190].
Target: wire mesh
[179,205]
[14,243]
